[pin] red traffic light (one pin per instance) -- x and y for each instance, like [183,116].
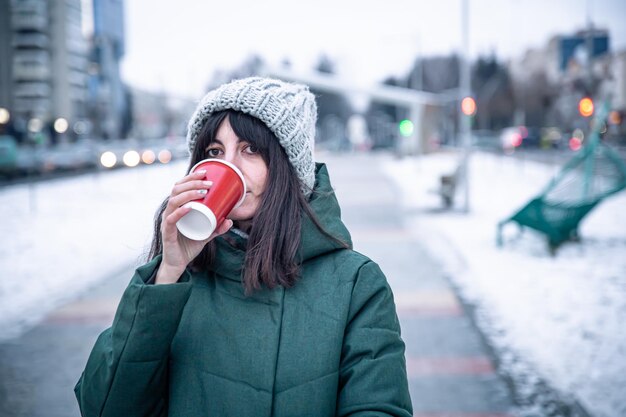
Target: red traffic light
[468,106]
[585,107]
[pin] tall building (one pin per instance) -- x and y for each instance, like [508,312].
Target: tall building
[69,51]
[6,56]
[47,76]
[31,84]
[109,103]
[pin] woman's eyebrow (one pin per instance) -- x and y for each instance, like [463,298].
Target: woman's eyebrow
[216,141]
[219,142]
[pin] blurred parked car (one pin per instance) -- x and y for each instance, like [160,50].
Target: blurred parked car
[552,138]
[86,153]
[67,157]
[531,137]
[8,156]
[520,136]
[510,138]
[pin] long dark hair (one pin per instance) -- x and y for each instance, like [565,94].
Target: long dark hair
[274,238]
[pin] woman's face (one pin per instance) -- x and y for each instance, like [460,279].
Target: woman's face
[246,157]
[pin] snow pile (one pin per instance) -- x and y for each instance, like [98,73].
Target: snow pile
[564,315]
[61,236]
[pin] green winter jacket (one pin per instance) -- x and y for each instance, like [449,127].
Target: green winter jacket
[329,346]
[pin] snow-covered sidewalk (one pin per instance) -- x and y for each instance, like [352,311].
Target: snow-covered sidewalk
[565,316]
[59,237]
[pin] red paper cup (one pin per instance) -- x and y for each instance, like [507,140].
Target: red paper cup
[227,192]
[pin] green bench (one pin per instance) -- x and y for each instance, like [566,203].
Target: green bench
[592,175]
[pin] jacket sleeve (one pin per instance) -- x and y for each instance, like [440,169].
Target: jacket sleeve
[126,373]
[373,379]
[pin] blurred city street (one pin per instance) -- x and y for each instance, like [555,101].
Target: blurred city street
[465,352]
[451,369]
[477,149]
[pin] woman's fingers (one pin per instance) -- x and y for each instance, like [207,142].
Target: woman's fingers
[187,182]
[184,197]
[189,188]
[193,176]
[171,219]
[191,185]
[223,228]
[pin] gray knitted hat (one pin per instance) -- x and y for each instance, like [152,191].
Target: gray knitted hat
[288,109]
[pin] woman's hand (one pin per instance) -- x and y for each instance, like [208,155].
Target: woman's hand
[179,251]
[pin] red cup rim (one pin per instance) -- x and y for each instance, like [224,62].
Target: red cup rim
[243,182]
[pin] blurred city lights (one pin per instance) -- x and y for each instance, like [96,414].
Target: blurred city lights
[165,156]
[108,159]
[406,128]
[35,125]
[579,134]
[468,106]
[614,118]
[148,157]
[5,116]
[80,127]
[585,107]
[517,140]
[575,143]
[131,159]
[523,131]
[61,125]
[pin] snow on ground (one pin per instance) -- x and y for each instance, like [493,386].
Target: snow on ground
[64,228]
[564,315]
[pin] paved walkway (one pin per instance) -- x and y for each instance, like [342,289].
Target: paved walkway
[38,370]
[450,368]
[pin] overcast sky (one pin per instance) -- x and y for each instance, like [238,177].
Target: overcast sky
[176,46]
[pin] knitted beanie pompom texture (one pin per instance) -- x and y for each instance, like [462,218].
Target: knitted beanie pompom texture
[288,109]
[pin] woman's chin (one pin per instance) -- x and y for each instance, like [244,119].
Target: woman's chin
[240,214]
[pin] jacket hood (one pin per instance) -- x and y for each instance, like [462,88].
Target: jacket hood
[326,208]
[230,257]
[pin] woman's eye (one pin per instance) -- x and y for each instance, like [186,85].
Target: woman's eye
[213,152]
[252,149]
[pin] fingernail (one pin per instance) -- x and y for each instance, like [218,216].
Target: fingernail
[202,171]
[207,183]
[203,192]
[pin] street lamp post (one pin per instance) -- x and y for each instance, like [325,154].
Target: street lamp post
[465,92]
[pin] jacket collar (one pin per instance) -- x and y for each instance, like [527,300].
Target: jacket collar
[230,255]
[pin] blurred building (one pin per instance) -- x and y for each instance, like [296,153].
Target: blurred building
[619,74]
[44,75]
[6,56]
[157,116]
[109,104]
[549,82]
[59,62]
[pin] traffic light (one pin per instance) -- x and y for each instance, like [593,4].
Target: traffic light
[468,106]
[585,107]
[406,128]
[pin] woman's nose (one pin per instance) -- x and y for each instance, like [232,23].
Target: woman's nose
[233,158]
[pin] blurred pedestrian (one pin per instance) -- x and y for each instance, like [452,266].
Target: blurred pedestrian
[274,314]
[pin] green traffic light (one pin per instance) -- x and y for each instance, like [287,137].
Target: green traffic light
[406,128]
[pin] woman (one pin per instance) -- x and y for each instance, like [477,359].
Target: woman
[274,314]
